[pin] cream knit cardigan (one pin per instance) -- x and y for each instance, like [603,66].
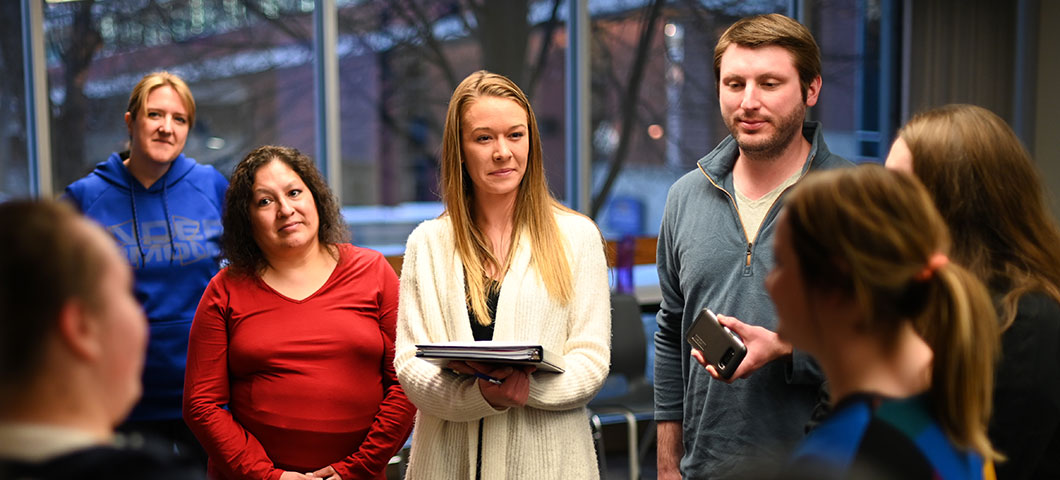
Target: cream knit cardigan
[550,437]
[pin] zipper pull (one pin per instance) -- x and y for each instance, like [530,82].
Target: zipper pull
[747,266]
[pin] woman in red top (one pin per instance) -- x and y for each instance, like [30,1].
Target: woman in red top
[295,337]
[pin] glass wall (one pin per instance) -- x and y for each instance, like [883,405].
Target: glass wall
[399,63]
[849,35]
[14,166]
[654,108]
[248,64]
[655,104]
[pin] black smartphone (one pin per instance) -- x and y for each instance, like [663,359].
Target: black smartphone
[721,347]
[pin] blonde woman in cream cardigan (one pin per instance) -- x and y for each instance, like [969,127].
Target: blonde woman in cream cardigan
[505,261]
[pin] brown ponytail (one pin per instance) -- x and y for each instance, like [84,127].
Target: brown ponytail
[957,322]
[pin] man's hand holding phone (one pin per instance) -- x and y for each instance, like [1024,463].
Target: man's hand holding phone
[715,344]
[763,346]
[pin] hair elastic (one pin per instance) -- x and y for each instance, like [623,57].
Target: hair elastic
[937,261]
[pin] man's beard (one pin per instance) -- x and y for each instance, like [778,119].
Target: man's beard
[770,147]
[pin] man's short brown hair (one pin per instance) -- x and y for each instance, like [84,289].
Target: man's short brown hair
[48,258]
[773,29]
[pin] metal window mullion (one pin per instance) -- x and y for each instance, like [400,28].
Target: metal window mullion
[890,47]
[326,80]
[38,136]
[905,85]
[1025,77]
[577,108]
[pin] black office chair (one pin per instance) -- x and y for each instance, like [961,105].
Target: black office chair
[629,358]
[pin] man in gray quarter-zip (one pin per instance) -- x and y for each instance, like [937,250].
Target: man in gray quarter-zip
[715,248]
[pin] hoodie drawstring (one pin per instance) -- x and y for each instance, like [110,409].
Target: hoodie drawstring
[136,228]
[169,226]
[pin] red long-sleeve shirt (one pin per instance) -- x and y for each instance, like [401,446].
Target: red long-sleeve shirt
[307,383]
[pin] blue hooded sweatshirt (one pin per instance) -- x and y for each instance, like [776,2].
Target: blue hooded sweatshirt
[171,235]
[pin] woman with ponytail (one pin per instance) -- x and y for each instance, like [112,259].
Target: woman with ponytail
[906,338]
[989,193]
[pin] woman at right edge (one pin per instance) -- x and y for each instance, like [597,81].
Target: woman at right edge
[505,261]
[984,183]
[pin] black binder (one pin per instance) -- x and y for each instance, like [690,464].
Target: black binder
[499,352]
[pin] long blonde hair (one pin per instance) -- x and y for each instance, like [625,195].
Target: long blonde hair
[986,187]
[534,206]
[875,235]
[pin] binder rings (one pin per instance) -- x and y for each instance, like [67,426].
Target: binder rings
[499,352]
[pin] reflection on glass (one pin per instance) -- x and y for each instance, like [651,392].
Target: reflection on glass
[399,63]
[655,106]
[14,166]
[248,63]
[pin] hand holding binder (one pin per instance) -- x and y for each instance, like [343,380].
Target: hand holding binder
[507,387]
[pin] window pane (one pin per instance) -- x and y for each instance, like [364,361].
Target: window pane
[14,166]
[674,119]
[844,33]
[248,63]
[399,63]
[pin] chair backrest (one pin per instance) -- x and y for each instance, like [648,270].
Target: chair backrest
[629,354]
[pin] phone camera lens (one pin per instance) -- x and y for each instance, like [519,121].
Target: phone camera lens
[729,353]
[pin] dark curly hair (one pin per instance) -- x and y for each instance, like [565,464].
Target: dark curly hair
[237,241]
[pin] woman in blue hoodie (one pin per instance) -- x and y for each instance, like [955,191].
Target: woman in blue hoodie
[164,210]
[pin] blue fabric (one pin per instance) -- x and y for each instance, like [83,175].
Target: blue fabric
[948,462]
[897,439]
[912,417]
[170,234]
[835,442]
